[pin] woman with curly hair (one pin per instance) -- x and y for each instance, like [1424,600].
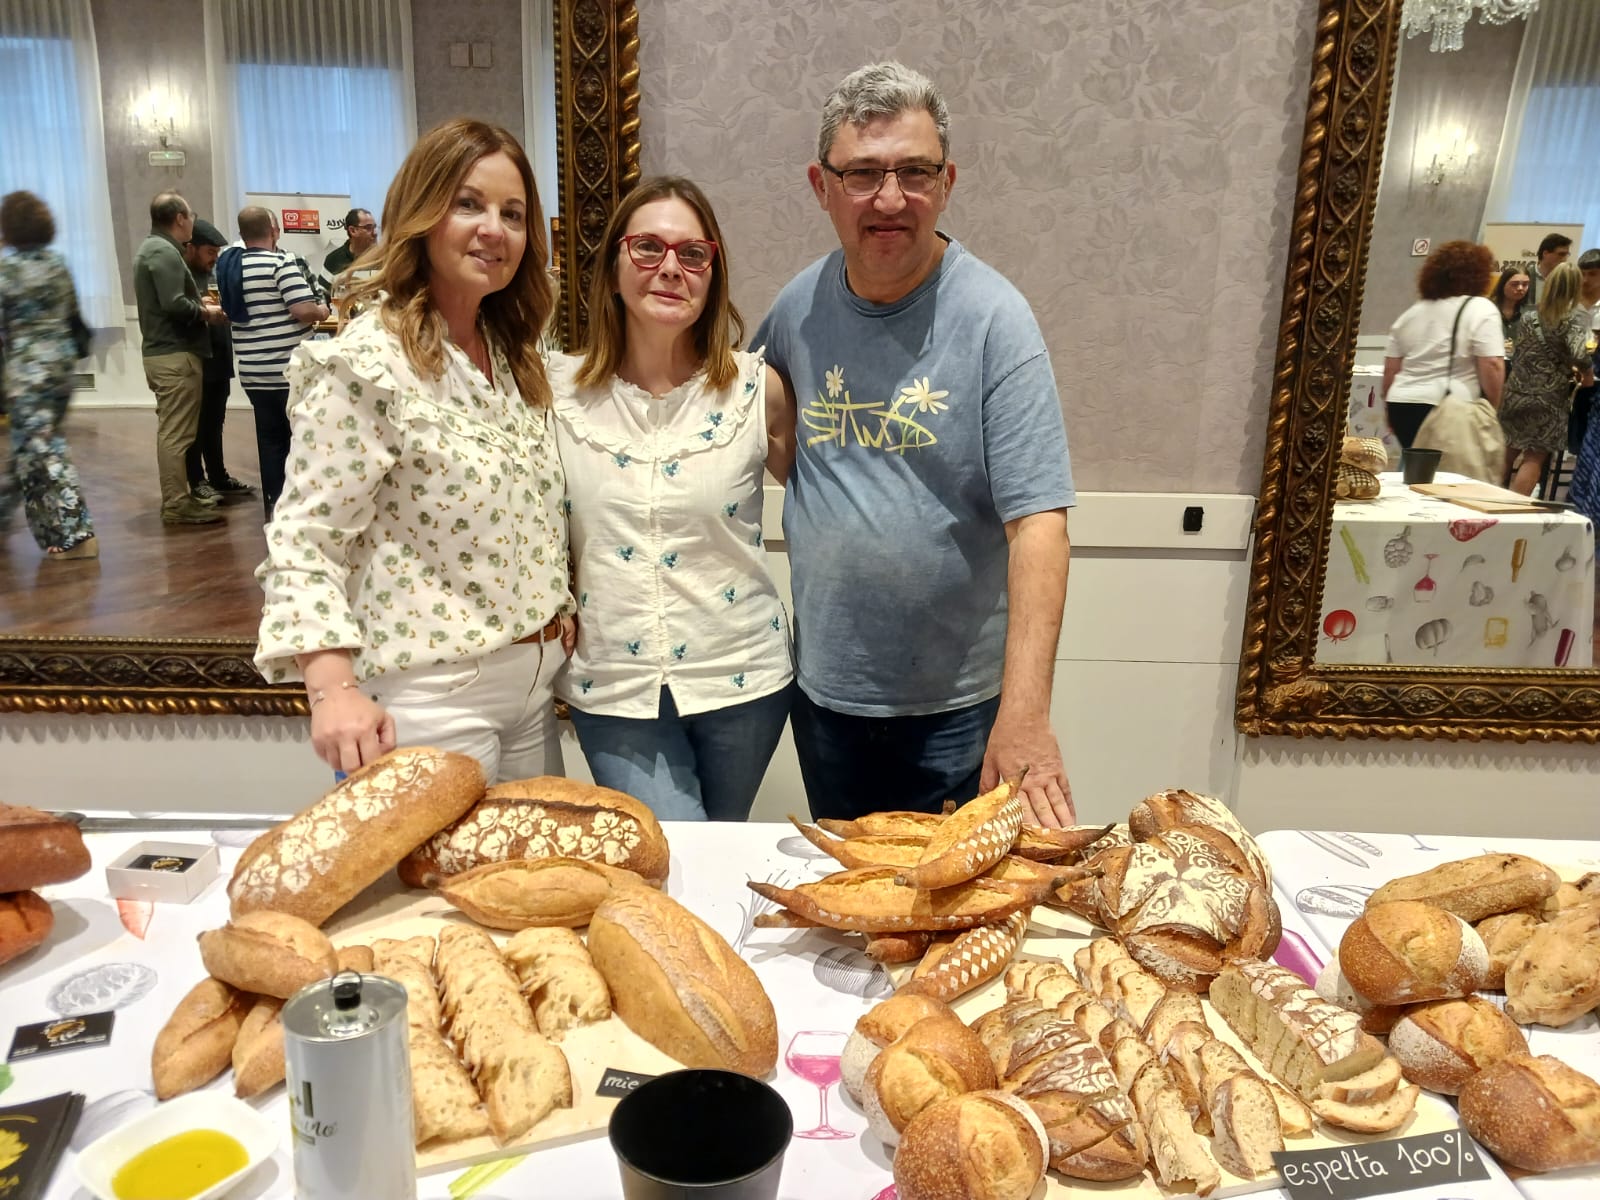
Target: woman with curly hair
[1449,339]
[416,571]
[37,301]
[1551,344]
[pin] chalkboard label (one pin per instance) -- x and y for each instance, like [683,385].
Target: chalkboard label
[619,1083]
[1380,1168]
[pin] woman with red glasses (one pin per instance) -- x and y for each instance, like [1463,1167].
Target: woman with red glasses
[681,678]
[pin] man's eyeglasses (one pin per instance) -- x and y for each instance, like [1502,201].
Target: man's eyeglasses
[366,228]
[648,252]
[914,179]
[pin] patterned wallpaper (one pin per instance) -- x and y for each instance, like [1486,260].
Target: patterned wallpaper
[1129,164]
[492,93]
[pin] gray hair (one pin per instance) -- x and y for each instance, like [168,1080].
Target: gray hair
[1589,260]
[166,208]
[884,89]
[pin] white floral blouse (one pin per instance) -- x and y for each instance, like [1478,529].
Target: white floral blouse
[421,520]
[664,509]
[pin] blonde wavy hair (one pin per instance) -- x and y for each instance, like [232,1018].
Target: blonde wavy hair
[717,331]
[1559,295]
[419,198]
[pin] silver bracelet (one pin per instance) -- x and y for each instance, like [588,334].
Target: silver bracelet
[321,694]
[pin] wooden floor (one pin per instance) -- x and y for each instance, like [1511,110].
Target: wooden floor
[151,580]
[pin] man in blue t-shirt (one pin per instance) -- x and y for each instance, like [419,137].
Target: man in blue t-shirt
[926,512]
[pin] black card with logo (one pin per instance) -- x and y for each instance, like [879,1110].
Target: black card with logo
[64,1033]
[615,1082]
[32,1139]
[162,862]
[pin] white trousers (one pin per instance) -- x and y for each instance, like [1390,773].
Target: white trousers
[499,708]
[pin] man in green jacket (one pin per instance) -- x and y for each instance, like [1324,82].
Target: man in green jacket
[172,321]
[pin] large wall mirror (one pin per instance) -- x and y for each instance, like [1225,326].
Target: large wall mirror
[1415,616]
[88,640]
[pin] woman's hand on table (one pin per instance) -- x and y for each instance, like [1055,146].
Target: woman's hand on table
[349,729]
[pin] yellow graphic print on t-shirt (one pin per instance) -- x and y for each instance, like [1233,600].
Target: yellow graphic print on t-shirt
[891,427]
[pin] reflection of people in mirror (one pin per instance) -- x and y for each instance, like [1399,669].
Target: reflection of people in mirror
[1449,339]
[1510,295]
[1552,341]
[416,571]
[680,681]
[37,300]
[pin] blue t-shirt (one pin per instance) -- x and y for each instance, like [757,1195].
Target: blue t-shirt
[924,426]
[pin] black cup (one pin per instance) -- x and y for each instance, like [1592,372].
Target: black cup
[694,1135]
[1418,465]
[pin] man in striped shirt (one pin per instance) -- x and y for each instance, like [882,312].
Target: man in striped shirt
[282,311]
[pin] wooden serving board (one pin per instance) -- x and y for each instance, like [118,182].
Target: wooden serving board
[1485,497]
[1054,936]
[394,912]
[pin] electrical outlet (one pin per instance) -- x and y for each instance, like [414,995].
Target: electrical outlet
[460,54]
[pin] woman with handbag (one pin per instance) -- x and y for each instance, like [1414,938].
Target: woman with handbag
[1449,341]
[1551,341]
[40,323]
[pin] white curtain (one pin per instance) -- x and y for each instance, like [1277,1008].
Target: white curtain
[52,140]
[1545,171]
[313,96]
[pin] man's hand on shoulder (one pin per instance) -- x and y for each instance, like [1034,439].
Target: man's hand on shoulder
[1017,742]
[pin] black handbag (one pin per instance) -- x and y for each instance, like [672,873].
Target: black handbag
[82,335]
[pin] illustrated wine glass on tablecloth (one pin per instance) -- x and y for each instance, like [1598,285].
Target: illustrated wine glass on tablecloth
[814,1056]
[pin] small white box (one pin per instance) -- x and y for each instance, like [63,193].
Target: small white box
[172,871]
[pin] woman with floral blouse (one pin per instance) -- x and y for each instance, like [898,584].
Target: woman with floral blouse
[681,681]
[416,566]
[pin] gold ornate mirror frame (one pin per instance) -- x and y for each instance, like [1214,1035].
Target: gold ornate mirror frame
[1282,690]
[597,146]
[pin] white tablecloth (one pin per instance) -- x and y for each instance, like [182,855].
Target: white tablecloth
[1322,881]
[817,981]
[1419,581]
[1369,415]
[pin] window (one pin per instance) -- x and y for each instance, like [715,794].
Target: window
[52,141]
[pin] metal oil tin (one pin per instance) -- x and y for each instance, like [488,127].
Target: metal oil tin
[348,1069]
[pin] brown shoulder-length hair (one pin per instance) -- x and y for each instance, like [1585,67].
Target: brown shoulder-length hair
[720,327]
[25,221]
[419,198]
[1456,269]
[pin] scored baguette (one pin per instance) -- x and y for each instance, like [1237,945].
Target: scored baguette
[268,953]
[969,960]
[319,860]
[970,841]
[258,1050]
[196,1043]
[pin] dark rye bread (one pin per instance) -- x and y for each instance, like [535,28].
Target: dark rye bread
[545,817]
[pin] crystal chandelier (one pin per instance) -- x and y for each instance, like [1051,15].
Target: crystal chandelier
[1445,19]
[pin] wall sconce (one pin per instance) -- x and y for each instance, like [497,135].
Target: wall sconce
[1448,156]
[155,122]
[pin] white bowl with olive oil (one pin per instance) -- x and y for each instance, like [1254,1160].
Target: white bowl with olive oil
[192,1148]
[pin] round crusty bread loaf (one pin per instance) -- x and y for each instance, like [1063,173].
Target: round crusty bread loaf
[881,1024]
[1444,1043]
[1535,1113]
[1503,935]
[1475,888]
[979,1146]
[677,983]
[1555,977]
[320,859]
[25,922]
[545,817]
[936,1058]
[1406,951]
[268,953]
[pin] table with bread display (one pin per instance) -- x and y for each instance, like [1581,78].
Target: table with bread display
[1007,1011]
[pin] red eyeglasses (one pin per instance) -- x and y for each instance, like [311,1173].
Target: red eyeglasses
[649,251]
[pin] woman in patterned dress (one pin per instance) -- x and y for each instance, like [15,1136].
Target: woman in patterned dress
[416,570]
[36,301]
[1551,341]
[681,680]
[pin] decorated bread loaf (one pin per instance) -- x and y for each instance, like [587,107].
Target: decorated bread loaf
[317,861]
[677,983]
[958,963]
[984,1145]
[37,849]
[1205,817]
[1406,950]
[546,817]
[1475,888]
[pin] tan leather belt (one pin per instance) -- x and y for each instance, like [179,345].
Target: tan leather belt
[548,634]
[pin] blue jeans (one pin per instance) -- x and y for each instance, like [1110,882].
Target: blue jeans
[858,765]
[703,767]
